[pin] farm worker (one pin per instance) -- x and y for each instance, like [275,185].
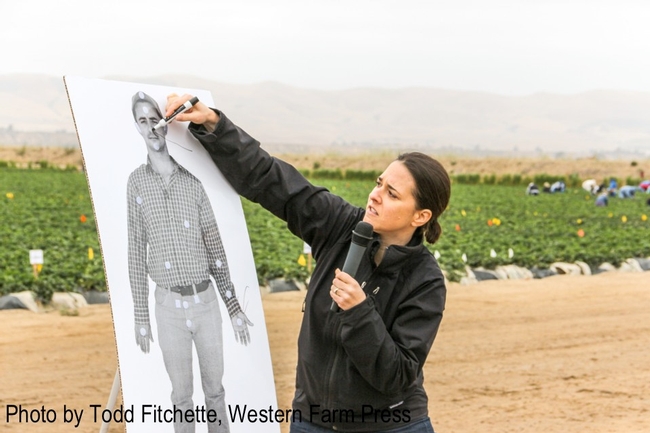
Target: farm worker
[626,191]
[368,353]
[558,186]
[645,185]
[546,187]
[174,240]
[532,189]
[602,199]
[613,187]
[591,186]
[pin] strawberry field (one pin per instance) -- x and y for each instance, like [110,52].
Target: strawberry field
[48,210]
[485,225]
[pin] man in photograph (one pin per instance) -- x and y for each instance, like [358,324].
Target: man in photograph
[174,240]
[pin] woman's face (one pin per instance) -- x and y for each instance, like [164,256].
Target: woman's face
[391,207]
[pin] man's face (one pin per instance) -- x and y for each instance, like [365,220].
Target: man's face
[146,117]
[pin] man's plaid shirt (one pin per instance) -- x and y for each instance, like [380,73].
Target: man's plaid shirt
[173,237]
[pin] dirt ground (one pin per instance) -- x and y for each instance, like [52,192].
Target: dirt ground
[562,354]
[585,168]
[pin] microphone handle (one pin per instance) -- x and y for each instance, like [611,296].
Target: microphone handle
[351,265]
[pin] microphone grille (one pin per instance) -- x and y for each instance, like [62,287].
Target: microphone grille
[364,230]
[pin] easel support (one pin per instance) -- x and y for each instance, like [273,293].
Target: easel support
[112,398]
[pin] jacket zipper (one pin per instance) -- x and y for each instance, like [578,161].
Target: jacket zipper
[331,380]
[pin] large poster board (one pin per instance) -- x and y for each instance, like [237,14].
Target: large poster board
[114,148]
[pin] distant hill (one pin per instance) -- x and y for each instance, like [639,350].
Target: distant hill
[295,119]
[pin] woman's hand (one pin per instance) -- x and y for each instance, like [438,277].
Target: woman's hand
[345,291]
[200,113]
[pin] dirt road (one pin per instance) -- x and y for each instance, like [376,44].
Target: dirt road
[563,354]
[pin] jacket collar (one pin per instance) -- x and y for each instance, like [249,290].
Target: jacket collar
[396,255]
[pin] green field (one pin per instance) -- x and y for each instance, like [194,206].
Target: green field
[51,210]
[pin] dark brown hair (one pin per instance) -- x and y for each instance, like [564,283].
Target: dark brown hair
[432,189]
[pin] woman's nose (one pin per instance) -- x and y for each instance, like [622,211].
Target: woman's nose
[374,195]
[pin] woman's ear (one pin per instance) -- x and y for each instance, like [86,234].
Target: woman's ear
[421,217]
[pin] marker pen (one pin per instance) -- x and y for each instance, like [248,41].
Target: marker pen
[186,106]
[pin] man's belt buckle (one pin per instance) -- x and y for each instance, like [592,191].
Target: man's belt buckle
[188,290]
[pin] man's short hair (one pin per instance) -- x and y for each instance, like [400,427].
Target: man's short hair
[141,97]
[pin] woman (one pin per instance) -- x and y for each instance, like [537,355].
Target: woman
[359,368]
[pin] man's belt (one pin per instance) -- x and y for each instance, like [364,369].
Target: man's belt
[189,290]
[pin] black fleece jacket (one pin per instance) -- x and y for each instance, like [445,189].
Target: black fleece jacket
[358,370]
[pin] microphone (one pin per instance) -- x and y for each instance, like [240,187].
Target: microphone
[361,237]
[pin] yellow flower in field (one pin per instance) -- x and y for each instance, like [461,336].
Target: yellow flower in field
[10,195]
[91,254]
[302,261]
[579,221]
[496,221]
[644,217]
[611,215]
[624,218]
[463,213]
[39,268]
[587,197]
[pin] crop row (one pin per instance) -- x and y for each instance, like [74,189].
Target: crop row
[485,225]
[48,210]
[491,225]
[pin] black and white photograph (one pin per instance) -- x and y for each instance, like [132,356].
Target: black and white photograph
[182,283]
[371,216]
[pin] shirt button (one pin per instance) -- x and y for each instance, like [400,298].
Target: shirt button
[187,224]
[189,323]
[168,265]
[186,305]
[219,263]
[138,200]
[228,294]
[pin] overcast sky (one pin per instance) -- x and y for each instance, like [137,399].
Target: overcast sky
[499,46]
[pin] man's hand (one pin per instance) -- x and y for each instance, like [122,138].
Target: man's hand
[200,113]
[143,337]
[240,324]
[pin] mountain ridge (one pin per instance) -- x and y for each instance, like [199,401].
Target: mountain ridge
[370,118]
